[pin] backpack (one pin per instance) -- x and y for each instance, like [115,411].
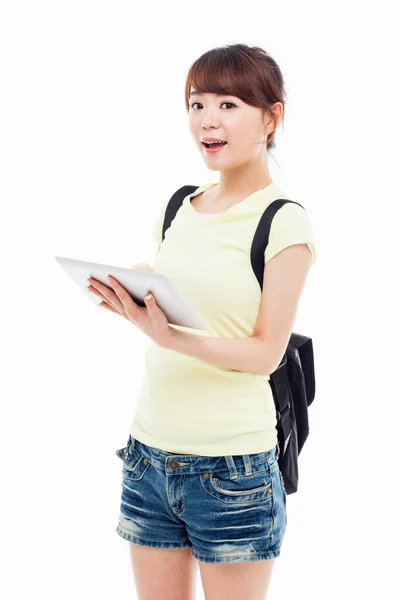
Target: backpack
[293,382]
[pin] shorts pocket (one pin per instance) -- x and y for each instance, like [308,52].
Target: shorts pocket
[256,487]
[134,463]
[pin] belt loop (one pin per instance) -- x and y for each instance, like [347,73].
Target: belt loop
[233,474]
[247,464]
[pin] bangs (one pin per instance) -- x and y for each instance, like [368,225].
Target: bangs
[226,73]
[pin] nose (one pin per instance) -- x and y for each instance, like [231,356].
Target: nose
[209,119]
[206,123]
[209,127]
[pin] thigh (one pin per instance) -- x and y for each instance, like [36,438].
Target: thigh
[146,517]
[248,580]
[236,519]
[163,573]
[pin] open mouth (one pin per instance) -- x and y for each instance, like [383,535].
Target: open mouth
[213,144]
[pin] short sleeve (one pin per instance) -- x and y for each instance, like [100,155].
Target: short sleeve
[158,223]
[290,225]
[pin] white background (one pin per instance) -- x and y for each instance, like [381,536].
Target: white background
[94,137]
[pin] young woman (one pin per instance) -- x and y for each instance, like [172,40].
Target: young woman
[201,480]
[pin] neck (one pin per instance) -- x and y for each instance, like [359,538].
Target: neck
[237,183]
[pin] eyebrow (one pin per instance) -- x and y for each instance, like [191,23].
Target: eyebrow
[195,93]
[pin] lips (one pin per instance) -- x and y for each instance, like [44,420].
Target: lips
[214,144]
[211,139]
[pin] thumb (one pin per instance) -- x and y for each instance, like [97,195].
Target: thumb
[149,299]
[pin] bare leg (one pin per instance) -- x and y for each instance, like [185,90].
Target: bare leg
[163,573]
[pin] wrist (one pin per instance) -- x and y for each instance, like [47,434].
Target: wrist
[168,343]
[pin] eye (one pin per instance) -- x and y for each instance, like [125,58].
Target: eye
[231,103]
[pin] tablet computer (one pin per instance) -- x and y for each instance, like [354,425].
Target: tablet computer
[137,283]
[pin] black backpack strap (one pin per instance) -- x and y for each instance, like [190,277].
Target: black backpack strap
[174,205]
[261,237]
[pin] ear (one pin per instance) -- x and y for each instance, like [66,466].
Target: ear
[272,122]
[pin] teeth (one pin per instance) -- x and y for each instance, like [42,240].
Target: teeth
[214,142]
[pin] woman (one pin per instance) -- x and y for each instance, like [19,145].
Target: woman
[201,480]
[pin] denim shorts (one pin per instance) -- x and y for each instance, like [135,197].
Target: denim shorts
[228,509]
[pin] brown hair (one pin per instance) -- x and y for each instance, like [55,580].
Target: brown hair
[247,72]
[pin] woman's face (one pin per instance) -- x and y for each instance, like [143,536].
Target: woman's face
[230,119]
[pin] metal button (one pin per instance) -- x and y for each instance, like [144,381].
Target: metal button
[173,464]
[269,490]
[145,461]
[206,475]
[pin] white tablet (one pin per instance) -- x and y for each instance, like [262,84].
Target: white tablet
[137,284]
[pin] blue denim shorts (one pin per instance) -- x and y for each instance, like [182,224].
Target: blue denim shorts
[228,509]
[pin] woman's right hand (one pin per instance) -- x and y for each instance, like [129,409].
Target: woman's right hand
[143,267]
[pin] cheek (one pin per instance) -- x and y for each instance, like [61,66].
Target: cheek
[249,139]
[193,123]
[193,128]
[240,132]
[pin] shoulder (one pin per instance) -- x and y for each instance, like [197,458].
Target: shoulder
[291,225]
[292,214]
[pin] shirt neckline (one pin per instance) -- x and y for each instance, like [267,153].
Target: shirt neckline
[233,208]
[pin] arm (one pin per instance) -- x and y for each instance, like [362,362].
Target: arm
[247,354]
[261,353]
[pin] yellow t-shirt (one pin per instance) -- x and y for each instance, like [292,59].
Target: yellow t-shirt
[190,406]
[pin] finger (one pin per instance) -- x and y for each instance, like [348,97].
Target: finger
[149,299]
[143,267]
[129,306]
[112,309]
[92,289]
[100,295]
[107,306]
[107,294]
[152,306]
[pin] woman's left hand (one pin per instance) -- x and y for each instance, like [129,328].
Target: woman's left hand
[150,319]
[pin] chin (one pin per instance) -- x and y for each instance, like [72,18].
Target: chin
[213,168]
